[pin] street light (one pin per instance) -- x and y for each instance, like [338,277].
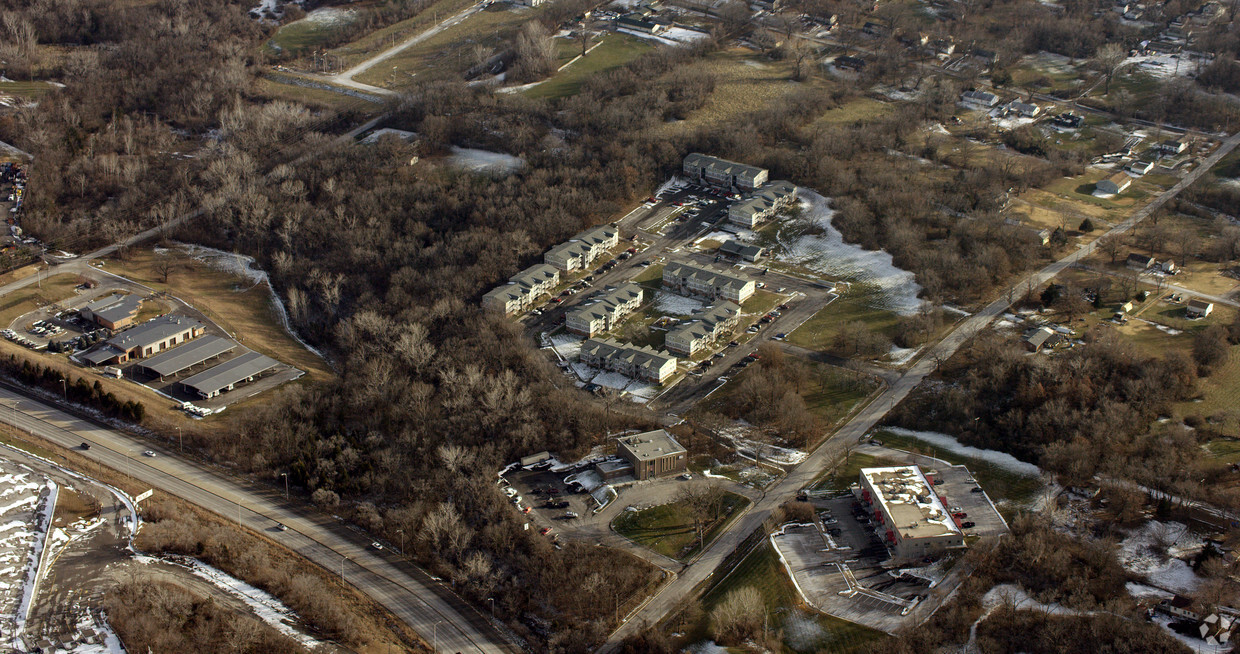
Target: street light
[181,439]
[435,636]
[492,601]
[285,475]
[64,385]
[342,560]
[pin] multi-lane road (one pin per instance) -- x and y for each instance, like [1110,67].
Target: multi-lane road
[676,591]
[441,618]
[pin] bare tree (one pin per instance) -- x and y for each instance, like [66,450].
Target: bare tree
[1110,59]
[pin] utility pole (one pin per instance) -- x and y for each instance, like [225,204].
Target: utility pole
[402,541]
[285,475]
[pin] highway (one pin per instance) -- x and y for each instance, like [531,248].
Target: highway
[677,591]
[436,614]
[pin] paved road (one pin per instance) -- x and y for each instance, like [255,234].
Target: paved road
[675,592]
[407,592]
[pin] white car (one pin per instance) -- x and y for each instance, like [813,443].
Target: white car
[377,545]
[148,453]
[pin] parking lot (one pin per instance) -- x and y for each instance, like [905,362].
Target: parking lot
[981,518]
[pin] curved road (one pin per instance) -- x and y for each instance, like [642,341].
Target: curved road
[438,616]
[675,592]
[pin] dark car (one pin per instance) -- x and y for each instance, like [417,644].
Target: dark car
[85,446]
[967,525]
[975,489]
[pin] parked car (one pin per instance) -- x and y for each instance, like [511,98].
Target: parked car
[975,489]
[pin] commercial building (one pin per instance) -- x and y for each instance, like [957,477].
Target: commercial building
[700,280]
[653,454]
[115,311]
[721,172]
[149,338]
[911,518]
[629,360]
[523,289]
[180,359]
[581,250]
[703,328]
[1117,183]
[605,312]
[224,377]
[763,204]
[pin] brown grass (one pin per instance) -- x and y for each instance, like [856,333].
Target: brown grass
[24,300]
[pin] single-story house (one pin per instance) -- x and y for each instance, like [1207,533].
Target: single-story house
[742,250]
[1023,109]
[115,311]
[1040,338]
[1171,146]
[979,98]
[1115,184]
[1068,119]
[1168,267]
[1198,308]
[1139,167]
[1140,261]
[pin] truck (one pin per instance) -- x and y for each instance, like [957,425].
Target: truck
[113,371]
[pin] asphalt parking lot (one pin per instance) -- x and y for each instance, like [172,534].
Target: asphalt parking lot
[957,488]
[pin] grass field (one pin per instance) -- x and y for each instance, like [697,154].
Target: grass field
[763,571]
[379,40]
[308,33]
[652,276]
[998,482]
[846,473]
[832,391]
[616,50]
[761,302]
[245,311]
[24,300]
[819,332]
[32,90]
[312,97]
[1220,397]
[858,110]
[668,529]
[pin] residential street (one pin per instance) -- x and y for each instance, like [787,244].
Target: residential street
[674,594]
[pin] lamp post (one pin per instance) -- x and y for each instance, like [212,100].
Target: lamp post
[402,541]
[435,636]
[181,439]
[285,475]
[492,601]
[342,560]
[64,386]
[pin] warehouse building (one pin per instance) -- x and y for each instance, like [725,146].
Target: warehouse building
[653,454]
[605,312]
[180,359]
[225,377]
[523,289]
[703,328]
[700,280]
[910,516]
[642,363]
[115,311]
[706,169]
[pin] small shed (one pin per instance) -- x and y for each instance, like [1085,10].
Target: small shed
[1040,338]
[1198,308]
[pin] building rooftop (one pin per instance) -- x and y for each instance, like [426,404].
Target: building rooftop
[230,372]
[739,249]
[152,332]
[607,303]
[703,323]
[650,445]
[700,160]
[645,358]
[190,354]
[115,307]
[910,500]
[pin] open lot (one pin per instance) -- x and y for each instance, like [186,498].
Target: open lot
[669,528]
[616,50]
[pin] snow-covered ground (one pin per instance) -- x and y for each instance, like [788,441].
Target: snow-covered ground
[1017,597]
[380,133]
[330,16]
[1009,123]
[1195,644]
[752,449]
[484,161]
[950,444]
[1161,66]
[676,305]
[902,355]
[26,503]
[828,254]
[1151,550]
[676,36]
[568,346]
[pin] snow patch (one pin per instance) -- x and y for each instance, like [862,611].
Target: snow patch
[677,305]
[1152,550]
[827,253]
[484,161]
[950,444]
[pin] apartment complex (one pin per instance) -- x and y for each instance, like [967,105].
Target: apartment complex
[911,517]
[581,250]
[629,360]
[703,328]
[700,280]
[523,289]
[653,454]
[605,312]
[763,204]
[721,172]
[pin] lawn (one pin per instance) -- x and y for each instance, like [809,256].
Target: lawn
[310,32]
[857,305]
[832,392]
[33,90]
[668,528]
[1220,399]
[997,482]
[24,300]
[859,110]
[847,473]
[382,39]
[274,88]
[616,50]
[244,310]
[761,302]
[651,277]
[762,570]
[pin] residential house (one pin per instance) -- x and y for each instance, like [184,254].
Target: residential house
[1140,261]
[639,23]
[1023,109]
[653,454]
[1115,184]
[1171,147]
[642,363]
[115,311]
[1198,308]
[523,289]
[989,57]
[1139,167]
[700,280]
[605,312]
[1168,267]
[943,47]
[850,62]
[721,172]
[1179,607]
[703,328]
[979,98]
[742,250]
[763,204]
[1040,338]
[581,250]
[1068,120]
